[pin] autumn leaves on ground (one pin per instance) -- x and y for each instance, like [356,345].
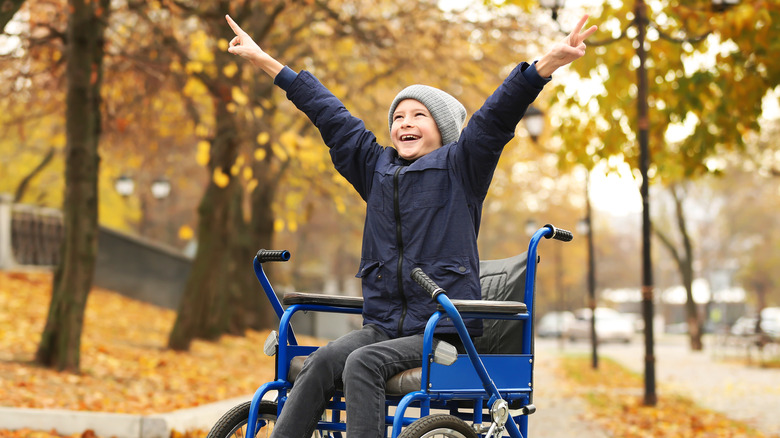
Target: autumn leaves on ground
[126,368]
[614,397]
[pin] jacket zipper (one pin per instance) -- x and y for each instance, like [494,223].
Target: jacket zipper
[400,243]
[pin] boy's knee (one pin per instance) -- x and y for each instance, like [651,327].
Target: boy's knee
[358,363]
[323,357]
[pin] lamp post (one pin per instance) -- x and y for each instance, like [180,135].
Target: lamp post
[643,126]
[534,122]
[585,226]
[124,185]
[161,190]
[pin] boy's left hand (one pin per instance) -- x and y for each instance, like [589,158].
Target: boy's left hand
[571,48]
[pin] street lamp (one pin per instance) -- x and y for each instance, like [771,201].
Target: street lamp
[534,122]
[124,185]
[161,188]
[722,5]
[553,5]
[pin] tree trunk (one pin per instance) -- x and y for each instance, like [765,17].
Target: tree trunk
[686,269]
[201,311]
[761,290]
[222,294]
[244,291]
[261,232]
[61,338]
[685,265]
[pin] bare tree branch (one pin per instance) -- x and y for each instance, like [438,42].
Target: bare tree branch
[692,40]
[22,187]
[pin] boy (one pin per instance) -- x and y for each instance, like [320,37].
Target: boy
[424,202]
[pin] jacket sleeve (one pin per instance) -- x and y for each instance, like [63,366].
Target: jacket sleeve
[353,148]
[493,126]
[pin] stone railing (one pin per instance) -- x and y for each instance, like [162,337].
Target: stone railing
[29,235]
[133,266]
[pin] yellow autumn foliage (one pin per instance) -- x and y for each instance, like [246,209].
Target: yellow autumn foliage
[203,153]
[220,178]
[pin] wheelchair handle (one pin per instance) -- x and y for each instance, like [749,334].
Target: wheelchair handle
[429,285]
[559,234]
[267,255]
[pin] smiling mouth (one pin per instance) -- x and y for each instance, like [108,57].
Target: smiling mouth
[409,137]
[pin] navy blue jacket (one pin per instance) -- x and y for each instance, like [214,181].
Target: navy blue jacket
[425,213]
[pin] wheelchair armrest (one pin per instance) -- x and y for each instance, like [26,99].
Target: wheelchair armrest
[495,307]
[291,298]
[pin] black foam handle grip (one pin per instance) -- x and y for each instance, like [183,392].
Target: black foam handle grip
[423,280]
[267,255]
[559,234]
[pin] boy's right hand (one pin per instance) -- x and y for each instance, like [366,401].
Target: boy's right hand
[243,46]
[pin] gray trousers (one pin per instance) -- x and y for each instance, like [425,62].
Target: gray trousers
[363,360]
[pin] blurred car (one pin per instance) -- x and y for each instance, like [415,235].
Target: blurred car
[744,326]
[678,328]
[554,324]
[770,324]
[611,326]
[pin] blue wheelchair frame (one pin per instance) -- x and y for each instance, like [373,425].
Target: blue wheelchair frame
[492,381]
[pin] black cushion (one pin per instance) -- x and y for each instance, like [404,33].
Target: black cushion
[502,280]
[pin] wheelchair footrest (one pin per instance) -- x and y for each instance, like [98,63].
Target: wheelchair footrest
[528,409]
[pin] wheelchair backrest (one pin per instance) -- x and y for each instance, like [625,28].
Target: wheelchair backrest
[502,280]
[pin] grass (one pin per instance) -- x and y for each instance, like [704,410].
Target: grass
[614,395]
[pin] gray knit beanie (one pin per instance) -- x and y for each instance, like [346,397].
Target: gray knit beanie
[447,112]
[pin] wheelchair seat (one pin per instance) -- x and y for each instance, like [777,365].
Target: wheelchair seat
[503,287]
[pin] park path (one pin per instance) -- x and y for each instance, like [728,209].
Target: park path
[560,411]
[747,394]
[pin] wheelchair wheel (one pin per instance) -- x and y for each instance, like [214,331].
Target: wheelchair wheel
[233,423]
[439,425]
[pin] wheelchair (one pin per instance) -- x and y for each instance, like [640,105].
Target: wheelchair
[487,392]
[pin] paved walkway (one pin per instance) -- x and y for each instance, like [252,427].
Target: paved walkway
[747,394]
[559,411]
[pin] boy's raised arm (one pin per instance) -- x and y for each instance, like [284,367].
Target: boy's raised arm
[571,48]
[243,46]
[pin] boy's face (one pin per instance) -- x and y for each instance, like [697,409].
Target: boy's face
[414,132]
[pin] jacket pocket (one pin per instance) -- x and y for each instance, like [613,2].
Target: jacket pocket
[376,298]
[455,265]
[446,272]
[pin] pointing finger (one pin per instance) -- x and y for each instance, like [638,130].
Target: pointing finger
[236,29]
